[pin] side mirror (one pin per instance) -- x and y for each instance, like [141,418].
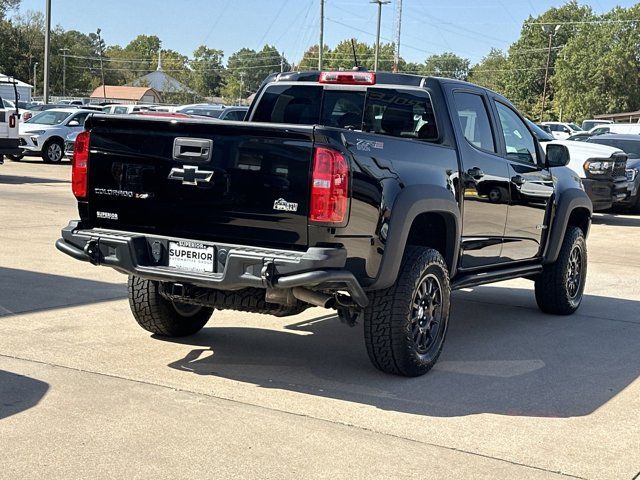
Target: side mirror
[557,155]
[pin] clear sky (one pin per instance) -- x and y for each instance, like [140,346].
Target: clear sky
[467,27]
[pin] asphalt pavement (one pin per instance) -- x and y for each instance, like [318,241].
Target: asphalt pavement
[86,393]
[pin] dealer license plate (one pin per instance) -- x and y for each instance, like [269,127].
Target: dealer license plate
[191,256]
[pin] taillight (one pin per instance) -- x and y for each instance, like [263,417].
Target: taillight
[12,121]
[329,187]
[348,78]
[80,164]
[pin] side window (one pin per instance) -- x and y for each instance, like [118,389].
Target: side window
[518,140]
[80,118]
[400,113]
[120,110]
[474,120]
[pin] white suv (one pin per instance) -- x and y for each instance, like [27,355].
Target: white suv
[45,132]
[562,131]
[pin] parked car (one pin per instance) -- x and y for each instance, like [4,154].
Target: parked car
[601,169]
[234,113]
[210,111]
[630,144]
[9,138]
[364,192]
[562,131]
[125,109]
[621,128]
[45,133]
[589,124]
[42,107]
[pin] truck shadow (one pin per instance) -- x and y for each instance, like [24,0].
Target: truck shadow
[624,220]
[502,356]
[19,393]
[26,291]
[22,180]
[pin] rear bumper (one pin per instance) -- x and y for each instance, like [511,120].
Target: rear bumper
[235,266]
[606,192]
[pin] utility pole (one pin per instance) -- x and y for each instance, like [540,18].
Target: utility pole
[380,4]
[47,48]
[64,71]
[104,87]
[35,77]
[241,88]
[398,29]
[321,45]
[551,31]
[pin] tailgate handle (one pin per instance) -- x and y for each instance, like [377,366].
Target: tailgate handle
[192,149]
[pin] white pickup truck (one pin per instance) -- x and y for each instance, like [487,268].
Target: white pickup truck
[9,134]
[602,169]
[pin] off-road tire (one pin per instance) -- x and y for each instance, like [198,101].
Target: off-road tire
[160,316]
[46,154]
[636,207]
[388,326]
[554,293]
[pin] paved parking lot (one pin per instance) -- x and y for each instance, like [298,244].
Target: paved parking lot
[85,393]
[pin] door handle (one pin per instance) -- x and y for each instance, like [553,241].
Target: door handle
[518,180]
[475,172]
[192,149]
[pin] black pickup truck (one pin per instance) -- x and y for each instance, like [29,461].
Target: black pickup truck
[375,194]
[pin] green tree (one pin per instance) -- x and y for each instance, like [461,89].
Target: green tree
[246,69]
[7,5]
[599,69]
[448,65]
[490,72]
[207,71]
[524,83]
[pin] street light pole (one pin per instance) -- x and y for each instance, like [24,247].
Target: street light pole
[35,77]
[380,3]
[104,87]
[64,71]
[321,45]
[551,31]
[47,48]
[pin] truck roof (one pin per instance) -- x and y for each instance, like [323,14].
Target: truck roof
[384,78]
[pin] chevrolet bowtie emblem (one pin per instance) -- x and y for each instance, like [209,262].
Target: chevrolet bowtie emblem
[189,175]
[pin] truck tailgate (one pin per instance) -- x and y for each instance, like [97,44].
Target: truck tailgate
[206,180]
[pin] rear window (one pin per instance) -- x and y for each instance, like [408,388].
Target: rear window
[384,111]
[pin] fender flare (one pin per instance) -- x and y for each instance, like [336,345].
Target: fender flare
[411,202]
[568,201]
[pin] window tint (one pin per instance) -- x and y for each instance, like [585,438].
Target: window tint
[297,104]
[235,115]
[400,113]
[630,147]
[518,140]
[474,120]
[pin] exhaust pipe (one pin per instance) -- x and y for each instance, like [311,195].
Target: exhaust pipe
[314,298]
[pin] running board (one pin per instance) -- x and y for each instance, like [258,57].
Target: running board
[482,278]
